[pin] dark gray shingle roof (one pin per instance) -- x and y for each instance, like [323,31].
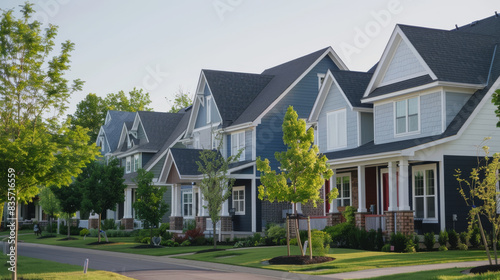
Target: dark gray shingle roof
[185,160]
[114,127]
[354,85]
[487,26]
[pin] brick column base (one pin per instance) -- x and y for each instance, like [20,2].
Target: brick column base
[128,223]
[176,223]
[404,222]
[360,219]
[333,219]
[93,223]
[226,223]
[201,222]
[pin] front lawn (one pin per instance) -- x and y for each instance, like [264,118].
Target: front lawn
[345,259]
[120,244]
[439,274]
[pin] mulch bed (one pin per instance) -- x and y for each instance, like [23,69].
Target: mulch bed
[485,268]
[68,238]
[210,250]
[100,243]
[146,246]
[299,260]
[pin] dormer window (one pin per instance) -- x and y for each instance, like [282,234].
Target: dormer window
[136,162]
[407,119]
[128,165]
[238,143]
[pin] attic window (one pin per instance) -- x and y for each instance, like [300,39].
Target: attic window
[321,79]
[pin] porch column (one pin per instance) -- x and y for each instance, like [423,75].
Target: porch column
[225,207]
[404,203]
[333,185]
[361,189]
[178,199]
[254,206]
[393,187]
[128,203]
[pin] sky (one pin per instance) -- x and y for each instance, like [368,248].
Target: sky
[161,46]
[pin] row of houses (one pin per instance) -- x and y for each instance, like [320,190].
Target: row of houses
[393,135]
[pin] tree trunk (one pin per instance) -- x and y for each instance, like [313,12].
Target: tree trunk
[495,240]
[297,231]
[99,229]
[151,235]
[1,213]
[484,239]
[215,234]
[69,227]
[288,235]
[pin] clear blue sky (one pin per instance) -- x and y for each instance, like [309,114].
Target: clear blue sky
[163,45]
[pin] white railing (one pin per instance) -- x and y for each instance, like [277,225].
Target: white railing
[375,222]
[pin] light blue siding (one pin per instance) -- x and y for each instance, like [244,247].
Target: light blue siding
[336,101]
[201,119]
[366,127]
[454,103]
[301,97]
[248,145]
[430,120]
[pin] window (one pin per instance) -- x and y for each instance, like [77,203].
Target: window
[424,192]
[321,79]
[239,200]
[136,162]
[187,203]
[407,115]
[344,188]
[336,129]
[238,143]
[127,168]
[209,109]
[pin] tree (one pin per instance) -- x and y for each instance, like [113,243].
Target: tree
[216,184]
[33,97]
[496,101]
[302,170]
[102,188]
[69,198]
[90,113]
[181,100]
[481,194]
[149,200]
[137,101]
[49,204]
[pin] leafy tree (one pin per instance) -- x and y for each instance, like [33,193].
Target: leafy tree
[496,101]
[302,169]
[216,185]
[69,198]
[33,97]
[181,100]
[149,200]
[49,204]
[480,193]
[102,188]
[90,113]
[137,100]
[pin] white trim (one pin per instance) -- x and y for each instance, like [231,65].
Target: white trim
[442,213]
[254,203]
[207,126]
[340,196]
[358,123]
[362,109]
[424,168]
[328,52]
[321,76]
[128,165]
[237,127]
[208,109]
[240,167]
[407,119]
[136,157]
[254,144]
[238,136]
[238,188]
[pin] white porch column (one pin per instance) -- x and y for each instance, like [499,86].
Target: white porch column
[361,189]
[333,185]
[254,206]
[127,205]
[178,200]
[404,203]
[202,208]
[225,207]
[393,187]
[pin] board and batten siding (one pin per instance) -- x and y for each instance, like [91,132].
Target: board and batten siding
[301,97]
[483,125]
[333,102]
[201,119]
[430,119]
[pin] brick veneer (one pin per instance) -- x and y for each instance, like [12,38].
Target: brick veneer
[360,219]
[226,223]
[201,222]
[128,223]
[333,219]
[404,222]
[176,223]
[93,223]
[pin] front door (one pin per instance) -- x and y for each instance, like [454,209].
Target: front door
[385,188]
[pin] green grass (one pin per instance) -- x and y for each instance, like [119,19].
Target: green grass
[345,259]
[122,244]
[439,274]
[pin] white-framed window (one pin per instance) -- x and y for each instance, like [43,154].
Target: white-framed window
[128,164]
[425,191]
[209,109]
[187,203]
[239,200]
[321,79]
[336,129]
[343,184]
[406,115]
[136,162]
[238,143]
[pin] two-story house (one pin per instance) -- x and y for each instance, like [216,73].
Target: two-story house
[429,99]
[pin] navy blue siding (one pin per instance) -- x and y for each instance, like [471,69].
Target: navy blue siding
[301,97]
[243,222]
[146,157]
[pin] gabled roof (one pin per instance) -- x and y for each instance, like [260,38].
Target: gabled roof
[158,127]
[185,161]
[353,84]
[487,26]
[233,92]
[113,128]
[285,75]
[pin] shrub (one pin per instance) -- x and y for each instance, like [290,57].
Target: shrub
[443,248]
[146,240]
[443,238]
[464,237]
[189,225]
[340,234]
[84,232]
[108,224]
[293,242]
[185,243]
[386,248]
[379,239]
[320,242]
[276,233]
[416,242]
[163,228]
[239,244]
[475,237]
[194,233]
[169,243]
[118,233]
[410,246]
[453,239]
[429,241]
[399,240]
[463,247]
[73,230]
[349,214]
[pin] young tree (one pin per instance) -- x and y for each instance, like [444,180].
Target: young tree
[481,194]
[216,185]
[137,100]
[302,170]
[149,200]
[90,113]
[496,101]
[102,188]
[181,100]
[33,97]
[69,198]
[49,204]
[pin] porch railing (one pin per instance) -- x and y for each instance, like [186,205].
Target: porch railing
[375,222]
